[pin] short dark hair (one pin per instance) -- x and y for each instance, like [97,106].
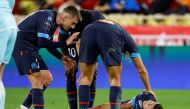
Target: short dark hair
[158,106]
[72,10]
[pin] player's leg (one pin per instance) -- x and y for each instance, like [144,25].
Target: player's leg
[93,87]
[102,106]
[47,77]
[7,42]
[38,80]
[87,73]
[88,55]
[37,90]
[111,56]
[127,104]
[2,89]
[28,100]
[38,74]
[71,89]
[114,73]
[3,44]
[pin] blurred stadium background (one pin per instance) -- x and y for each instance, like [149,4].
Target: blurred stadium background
[161,28]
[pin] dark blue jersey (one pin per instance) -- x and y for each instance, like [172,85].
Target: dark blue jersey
[139,99]
[107,38]
[129,45]
[38,24]
[88,16]
[36,31]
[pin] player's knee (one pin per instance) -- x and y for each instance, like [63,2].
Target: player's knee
[37,83]
[115,81]
[85,81]
[36,80]
[47,77]
[141,70]
[95,75]
[48,81]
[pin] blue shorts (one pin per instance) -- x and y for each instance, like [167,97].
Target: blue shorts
[7,42]
[103,39]
[28,62]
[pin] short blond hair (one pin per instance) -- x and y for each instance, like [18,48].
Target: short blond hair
[73,11]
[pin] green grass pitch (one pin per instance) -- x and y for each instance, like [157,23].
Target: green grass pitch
[57,99]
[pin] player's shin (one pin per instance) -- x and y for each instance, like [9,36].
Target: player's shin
[84,96]
[72,93]
[92,92]
[115,97]
[28,101]
[2,95]
[37,98]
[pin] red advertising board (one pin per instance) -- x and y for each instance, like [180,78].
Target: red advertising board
[160,36]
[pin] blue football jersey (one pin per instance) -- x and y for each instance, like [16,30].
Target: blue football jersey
[39,24]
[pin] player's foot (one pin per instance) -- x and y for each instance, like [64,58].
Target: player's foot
[21,107]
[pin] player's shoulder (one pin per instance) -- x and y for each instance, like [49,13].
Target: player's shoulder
[92,14]
[46,13]
[97,14]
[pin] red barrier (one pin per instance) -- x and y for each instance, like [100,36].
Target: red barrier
[159,36]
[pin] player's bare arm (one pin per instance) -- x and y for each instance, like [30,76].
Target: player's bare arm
[143,74]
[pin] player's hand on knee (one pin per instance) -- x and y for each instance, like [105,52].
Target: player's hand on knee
[73,38]
[68,62]
[71,73]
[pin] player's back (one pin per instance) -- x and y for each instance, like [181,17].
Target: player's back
[105,25]
[103,31]
[7,20]
[41,21]
[88,16]
[32,22]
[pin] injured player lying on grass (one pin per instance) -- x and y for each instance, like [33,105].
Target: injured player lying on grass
[141,101]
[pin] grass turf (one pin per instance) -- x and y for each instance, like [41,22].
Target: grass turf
[57,98]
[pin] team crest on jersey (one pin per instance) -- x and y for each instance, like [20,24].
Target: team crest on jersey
[34,65]
[50,19]
[47,25]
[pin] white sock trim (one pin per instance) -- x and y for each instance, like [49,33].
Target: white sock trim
[23,107]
